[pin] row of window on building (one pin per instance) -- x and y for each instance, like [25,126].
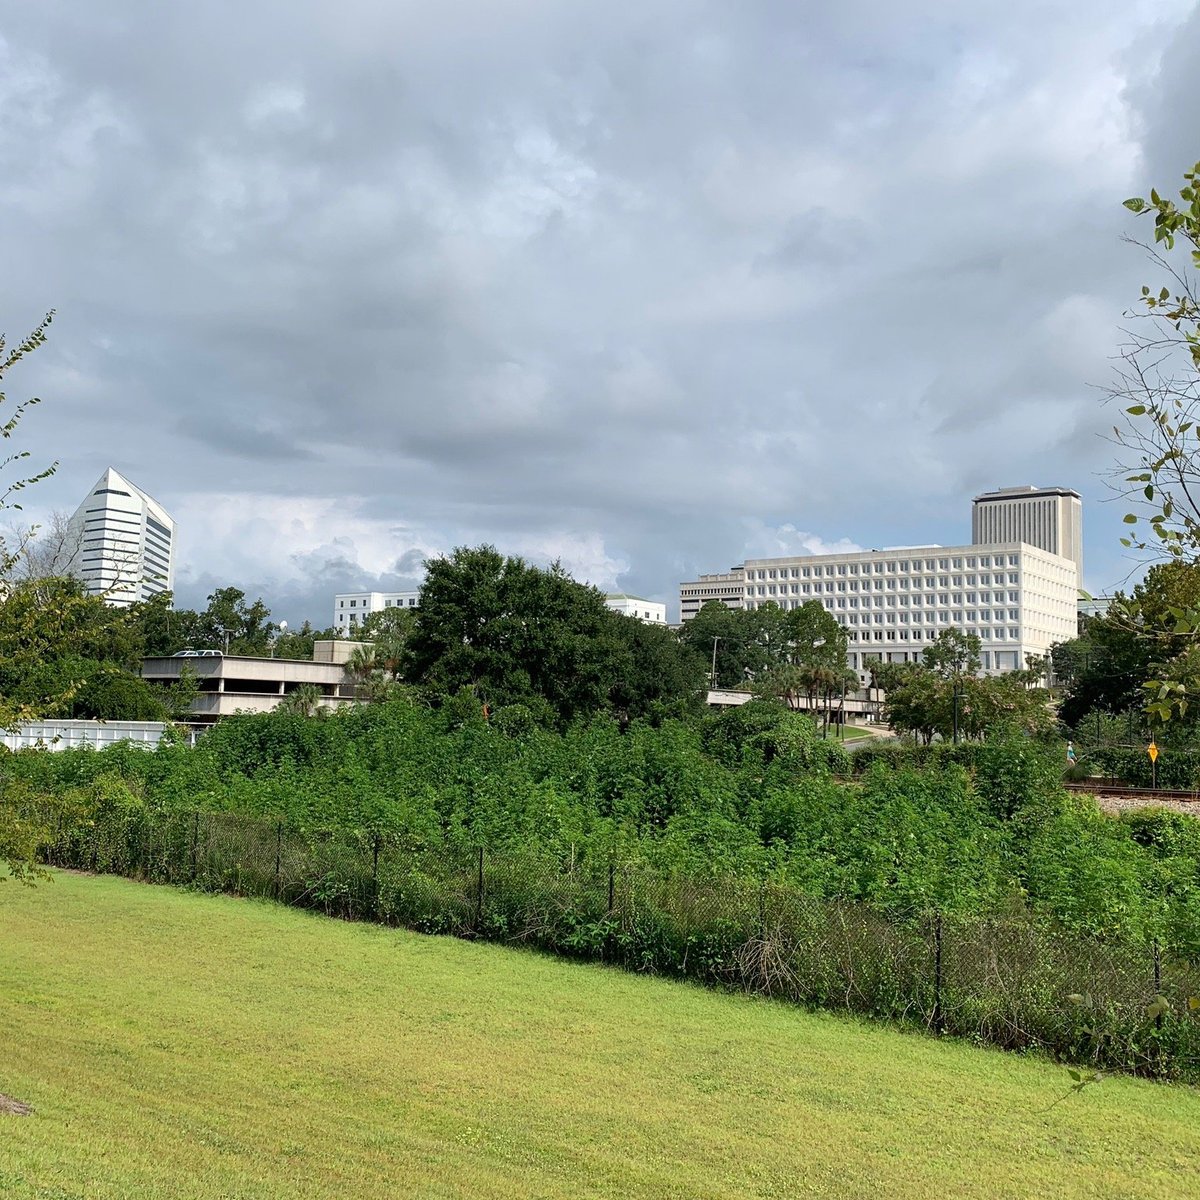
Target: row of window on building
[411,602]
[904,566]
[919,583]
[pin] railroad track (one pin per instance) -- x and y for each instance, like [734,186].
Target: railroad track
[1098,787]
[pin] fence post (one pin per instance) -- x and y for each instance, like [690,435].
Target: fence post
[479,894]
[278,855]
[939,1021]
[609,941]
[1158,1020]
[375,875]
[195,841]
[762,909]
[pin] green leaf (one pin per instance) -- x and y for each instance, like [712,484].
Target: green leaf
[1075,1075]
[1075,998]
[1157,1007]
[1135,204]
[1136,410]
[1130,518]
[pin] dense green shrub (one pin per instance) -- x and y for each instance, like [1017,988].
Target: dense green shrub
[752,794]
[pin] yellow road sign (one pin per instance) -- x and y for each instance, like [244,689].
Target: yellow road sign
[1152,750]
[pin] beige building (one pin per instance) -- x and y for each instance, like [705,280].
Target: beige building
[727,588]
[233,684]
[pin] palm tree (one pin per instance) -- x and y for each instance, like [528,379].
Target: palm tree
[305,701]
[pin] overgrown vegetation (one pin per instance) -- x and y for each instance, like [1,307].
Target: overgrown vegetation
[959,889]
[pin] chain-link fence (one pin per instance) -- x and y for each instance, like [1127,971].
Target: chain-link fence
[1009,982]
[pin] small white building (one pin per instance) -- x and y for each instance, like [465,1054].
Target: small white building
[353,608]
[650,611]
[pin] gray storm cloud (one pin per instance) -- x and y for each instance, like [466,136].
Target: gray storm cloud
[643,287]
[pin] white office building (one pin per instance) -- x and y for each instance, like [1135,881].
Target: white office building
[122,542]
[1017,599]
[1016,594]
[353,608]
[650,611]
[1050,518]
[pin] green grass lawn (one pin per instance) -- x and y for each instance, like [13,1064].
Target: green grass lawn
[177,1045]
[851,733]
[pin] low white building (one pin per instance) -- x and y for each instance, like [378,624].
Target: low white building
[70,734]
[650,611]
[1017,599]
[1093,606]
[353,608]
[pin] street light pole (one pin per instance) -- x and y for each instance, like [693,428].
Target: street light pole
[956,710]
[712,679]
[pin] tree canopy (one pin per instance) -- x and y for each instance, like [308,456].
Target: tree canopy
[944,694]
[517,634]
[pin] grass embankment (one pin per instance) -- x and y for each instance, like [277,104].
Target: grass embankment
[182,1045]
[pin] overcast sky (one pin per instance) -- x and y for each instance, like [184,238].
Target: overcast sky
[647,287]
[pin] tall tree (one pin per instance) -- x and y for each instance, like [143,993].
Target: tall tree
[653,673]
[514,633]
[232,625]
[953,654]
[724,639]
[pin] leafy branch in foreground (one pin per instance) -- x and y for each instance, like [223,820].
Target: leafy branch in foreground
[9,359]
[1157,387]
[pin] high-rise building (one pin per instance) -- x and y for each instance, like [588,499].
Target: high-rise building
[122,542]
[1049,518]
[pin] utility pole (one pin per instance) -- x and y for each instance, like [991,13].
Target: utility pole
[956,709]
[712,681]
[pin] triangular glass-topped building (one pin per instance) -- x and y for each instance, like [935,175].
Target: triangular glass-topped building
[122,542]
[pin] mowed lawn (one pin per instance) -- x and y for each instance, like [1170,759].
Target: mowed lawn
[177,1045]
